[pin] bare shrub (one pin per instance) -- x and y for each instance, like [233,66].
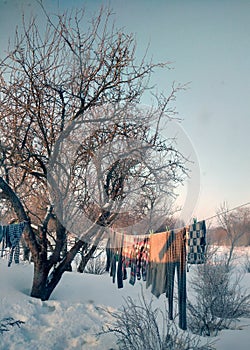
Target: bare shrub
[138,326]
[8,322]
[219,299]
[246,263]
[211,251]
[96,265]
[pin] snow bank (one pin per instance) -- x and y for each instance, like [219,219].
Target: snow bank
[75,313]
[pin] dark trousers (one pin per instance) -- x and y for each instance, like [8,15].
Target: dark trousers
[182,293]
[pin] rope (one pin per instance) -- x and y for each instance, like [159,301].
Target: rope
[227,211]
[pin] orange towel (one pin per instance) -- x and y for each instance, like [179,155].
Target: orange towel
[166,246]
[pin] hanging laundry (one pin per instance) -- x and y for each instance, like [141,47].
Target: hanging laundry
[157,269]
[1,233]
[196,243]
[167,254]
[108,256]
[129,256]
[127,251]
[135,254]
[4,229]
[11,239]
[114,255]
[153,259]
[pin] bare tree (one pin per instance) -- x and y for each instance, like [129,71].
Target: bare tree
[236,224]
[53,82]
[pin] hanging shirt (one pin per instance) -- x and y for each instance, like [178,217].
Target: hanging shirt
[12,236]
[196,243]
[15,232]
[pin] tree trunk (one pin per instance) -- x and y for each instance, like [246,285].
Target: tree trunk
[45,280]
[40,278]
[64,252]
[85,258]
[26,250]
[228,262]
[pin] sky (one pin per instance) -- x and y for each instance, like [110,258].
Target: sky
[209,47]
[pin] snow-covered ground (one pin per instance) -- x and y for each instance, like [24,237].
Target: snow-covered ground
[75,313]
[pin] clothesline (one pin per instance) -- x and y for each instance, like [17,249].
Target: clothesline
[227,211]
[142,236]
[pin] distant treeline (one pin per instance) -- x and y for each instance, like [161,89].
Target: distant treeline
[218,235]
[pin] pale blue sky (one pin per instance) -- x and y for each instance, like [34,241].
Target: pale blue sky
[209,45]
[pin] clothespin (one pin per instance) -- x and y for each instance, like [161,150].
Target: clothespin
[195,220]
